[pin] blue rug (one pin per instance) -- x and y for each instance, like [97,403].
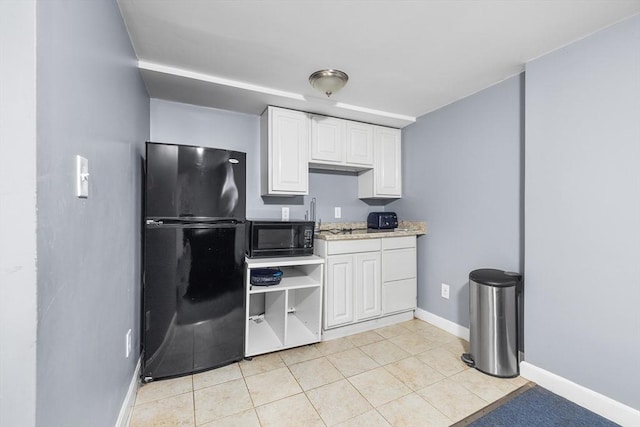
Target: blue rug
[541,408]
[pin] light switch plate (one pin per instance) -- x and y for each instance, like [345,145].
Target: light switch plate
[82,177]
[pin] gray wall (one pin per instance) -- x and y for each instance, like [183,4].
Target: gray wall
[582,212]
[91,102]
[462,174]
[191,125]
[18,313]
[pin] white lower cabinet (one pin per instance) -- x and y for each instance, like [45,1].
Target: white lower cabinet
[354,293]
[365,281]
[339,296]
[367,285]
[288,314]
[399,274]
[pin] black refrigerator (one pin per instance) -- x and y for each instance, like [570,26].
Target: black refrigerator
[194,237]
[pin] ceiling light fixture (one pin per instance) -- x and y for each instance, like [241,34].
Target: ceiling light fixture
[328,81]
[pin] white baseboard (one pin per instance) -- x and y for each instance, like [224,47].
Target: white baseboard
[442,323]
[593,401]
[130,398]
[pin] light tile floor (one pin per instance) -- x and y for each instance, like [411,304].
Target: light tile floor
[408,374]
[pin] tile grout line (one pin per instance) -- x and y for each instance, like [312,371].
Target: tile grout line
[380,366]
[304,392]
[445,376]
[193,397]
[447,345]
[411,391]
[253,405]
[343,378]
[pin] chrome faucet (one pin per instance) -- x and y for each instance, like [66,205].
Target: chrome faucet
[312,210]
[312,213]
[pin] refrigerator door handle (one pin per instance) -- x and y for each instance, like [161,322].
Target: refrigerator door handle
[194,221]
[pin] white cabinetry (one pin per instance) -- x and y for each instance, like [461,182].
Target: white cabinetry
[340,144]
[327,140]
[288,314]
[367,278]
[367,285]
[284,152]
[339,296]
[353,285]
[399,274]
[292,141]
[359,144]
[385,179]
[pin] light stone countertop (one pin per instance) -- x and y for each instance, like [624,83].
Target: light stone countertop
[358,230]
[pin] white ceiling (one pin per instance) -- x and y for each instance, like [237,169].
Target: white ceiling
[403,58]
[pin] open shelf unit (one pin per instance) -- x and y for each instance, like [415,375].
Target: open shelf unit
[288,314]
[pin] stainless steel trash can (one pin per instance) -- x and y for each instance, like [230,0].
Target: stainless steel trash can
[493,318]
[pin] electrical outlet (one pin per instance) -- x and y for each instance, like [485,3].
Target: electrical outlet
[128,343]
[285,214]
[444,291]
[337,212]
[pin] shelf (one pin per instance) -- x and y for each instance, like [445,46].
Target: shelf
[263,339]
[298,333]
[283,261]
[291,279]
[292,309]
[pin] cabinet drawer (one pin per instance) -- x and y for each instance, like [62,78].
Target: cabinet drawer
[399,296]
[398,264]
[353,246]
[398,242]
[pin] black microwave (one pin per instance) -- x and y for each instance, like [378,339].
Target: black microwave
[272,238]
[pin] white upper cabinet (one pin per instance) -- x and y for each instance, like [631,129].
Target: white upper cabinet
[292,141]
[385,179]
[388,161]
[284,152]
[359,142]
[327,140]
[341,144]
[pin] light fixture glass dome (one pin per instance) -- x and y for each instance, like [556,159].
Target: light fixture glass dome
[328,81]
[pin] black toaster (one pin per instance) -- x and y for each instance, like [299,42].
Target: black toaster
[382,220]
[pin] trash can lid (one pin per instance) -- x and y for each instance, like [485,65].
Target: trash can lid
[493,277]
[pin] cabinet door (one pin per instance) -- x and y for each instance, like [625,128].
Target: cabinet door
[339,291]
[288,152]
[359,143]
[327,139]
[387,170]
[367,285]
